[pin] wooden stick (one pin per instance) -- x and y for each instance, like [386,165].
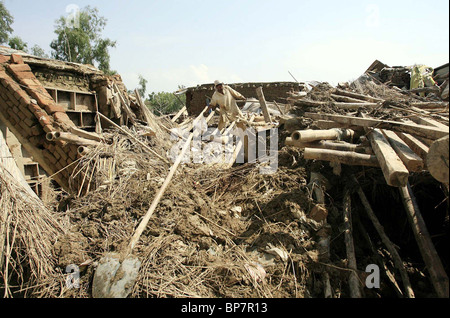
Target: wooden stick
[279,108]
[262,102]
[419,130]
[159,194]
[394,171]
[329,134]
[385,239]
[358,96]
[431,258]
[180,112]
[355,291]
[344,157]
[409,158]
[134,138]
[346,99]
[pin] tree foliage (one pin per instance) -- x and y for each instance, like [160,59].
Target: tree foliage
[6,20]
[17,43]
[81,42]
[165,103]
[142,85]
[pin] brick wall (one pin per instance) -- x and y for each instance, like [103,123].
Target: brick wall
[196,96]
[30,112]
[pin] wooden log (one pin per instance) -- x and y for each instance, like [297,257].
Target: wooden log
[323,144]
[410,159]
[419,130]
[358,96]
[124,104]
[355,290]
[344,157]
[430,105]
[438,160]
[263,104]
[329,134]
[386,241]
[83,151]
[346,99]
[438,276]
[71,138]
[86,134]
[415,144]
[356,105]
[394,171]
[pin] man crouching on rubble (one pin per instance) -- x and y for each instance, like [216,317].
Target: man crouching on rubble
[225,97]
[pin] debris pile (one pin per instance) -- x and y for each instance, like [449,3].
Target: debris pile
[349,159]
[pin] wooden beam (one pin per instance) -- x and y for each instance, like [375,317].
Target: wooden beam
[428,122]
[419,130]
[355,290]
[324,144]
[409,158]
[344,157]
[262,102]
[438,276]
[329,134]
[358,96]
[415,144]
[394,171]
[438,160]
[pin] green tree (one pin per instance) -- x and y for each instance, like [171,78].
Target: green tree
[38,51]
[165,103]
[17,43]
[6,20]
[81,42]
[142,85]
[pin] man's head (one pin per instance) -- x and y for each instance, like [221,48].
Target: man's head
[219,86]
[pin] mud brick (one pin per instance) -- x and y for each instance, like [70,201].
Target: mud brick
[22,115]
[15,68]
[15,109]
[16,58]
[29,122]
[11,104]
[55,153]
[44,120]
[50,157]
[25,131]
[48,128]
[36,130]
[19,94]
[62,117]
[61,143]
[53,108]
[42,99]
[25,76]
[12,114]
[3,59]
[29,82]
[62,152]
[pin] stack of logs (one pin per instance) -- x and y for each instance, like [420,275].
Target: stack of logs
[398,148]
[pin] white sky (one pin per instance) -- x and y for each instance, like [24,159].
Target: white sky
[194,42]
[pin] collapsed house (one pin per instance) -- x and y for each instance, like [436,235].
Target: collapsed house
[198,207]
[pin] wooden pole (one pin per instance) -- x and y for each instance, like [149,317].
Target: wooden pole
[419,130]
[262,102]
[358,96]
[344,157]
[415,144]
[355,291]
[329,134]
[438,276]
[324,144]
[385,239]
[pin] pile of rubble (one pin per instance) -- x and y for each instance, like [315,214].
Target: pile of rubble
[199,215]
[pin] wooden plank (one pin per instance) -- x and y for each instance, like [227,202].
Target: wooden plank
[419,130]
[357,96]
[410,159]
[262,102]
[428,122]
[394,171]
[415,144]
